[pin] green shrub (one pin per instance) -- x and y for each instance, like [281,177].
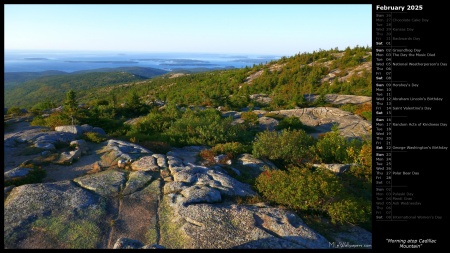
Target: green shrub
[14,110]
[320,101]
[45,105]
[201,127]
[58,119]
[334,148]
[250,118]
[38,121]
[292,123]
[291,146]
[233,148]
[317,190]
[299,188]
[349,108]
[365,111]
[351,210]
[93,137]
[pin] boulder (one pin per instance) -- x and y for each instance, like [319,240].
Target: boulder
[70,129]
[160,160]
[116,150]
[68,157]
[253,165]
[201,194]
[323,118]
[338,99]
[334,167]
[7,190]
[86,128]
[107,183]
[174,187]
[16,173]
[99,131]
[44,145]
[138,215]
[243,226]
[267,123]
[81,145]
[136,181]
[36,215]
[146,163]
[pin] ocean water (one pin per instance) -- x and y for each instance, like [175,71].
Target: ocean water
[70,61]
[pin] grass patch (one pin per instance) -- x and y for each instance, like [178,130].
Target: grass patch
[81,230]
[170,235]
[93,137]
[151,236]
[248,200]
[80,234]
[274,115]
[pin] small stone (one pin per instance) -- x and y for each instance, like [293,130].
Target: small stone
[121,163]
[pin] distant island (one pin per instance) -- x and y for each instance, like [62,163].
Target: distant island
[36,59]
[118,62]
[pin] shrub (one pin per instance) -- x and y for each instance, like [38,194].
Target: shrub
[93,137]
[350,210]
[14,110]
[291,146]
[208,155]
[250,118]
[349,108]
[299,188]
[316,190]
[233,148]
[320,101]
[333,147]
[38,121]
[45,105]
[365,111]
[206,127]
[292,123]
[58,119]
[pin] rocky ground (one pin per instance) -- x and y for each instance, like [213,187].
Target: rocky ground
[116,194]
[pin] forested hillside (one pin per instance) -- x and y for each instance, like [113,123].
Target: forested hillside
[285,81]
[25,89]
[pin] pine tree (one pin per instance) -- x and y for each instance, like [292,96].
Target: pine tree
[71,105]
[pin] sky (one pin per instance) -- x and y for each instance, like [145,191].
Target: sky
[269,29]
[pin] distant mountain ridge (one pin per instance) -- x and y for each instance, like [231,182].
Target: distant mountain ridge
[24,89]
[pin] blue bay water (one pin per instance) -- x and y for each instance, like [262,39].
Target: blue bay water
[70,61]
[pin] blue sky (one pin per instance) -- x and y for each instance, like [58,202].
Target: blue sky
[228,28]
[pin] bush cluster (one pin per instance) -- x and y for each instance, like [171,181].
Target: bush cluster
[317,190]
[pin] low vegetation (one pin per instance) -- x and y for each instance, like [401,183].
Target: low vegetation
[189,117]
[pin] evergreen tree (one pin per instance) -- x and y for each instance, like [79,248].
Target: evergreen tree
[71,105]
